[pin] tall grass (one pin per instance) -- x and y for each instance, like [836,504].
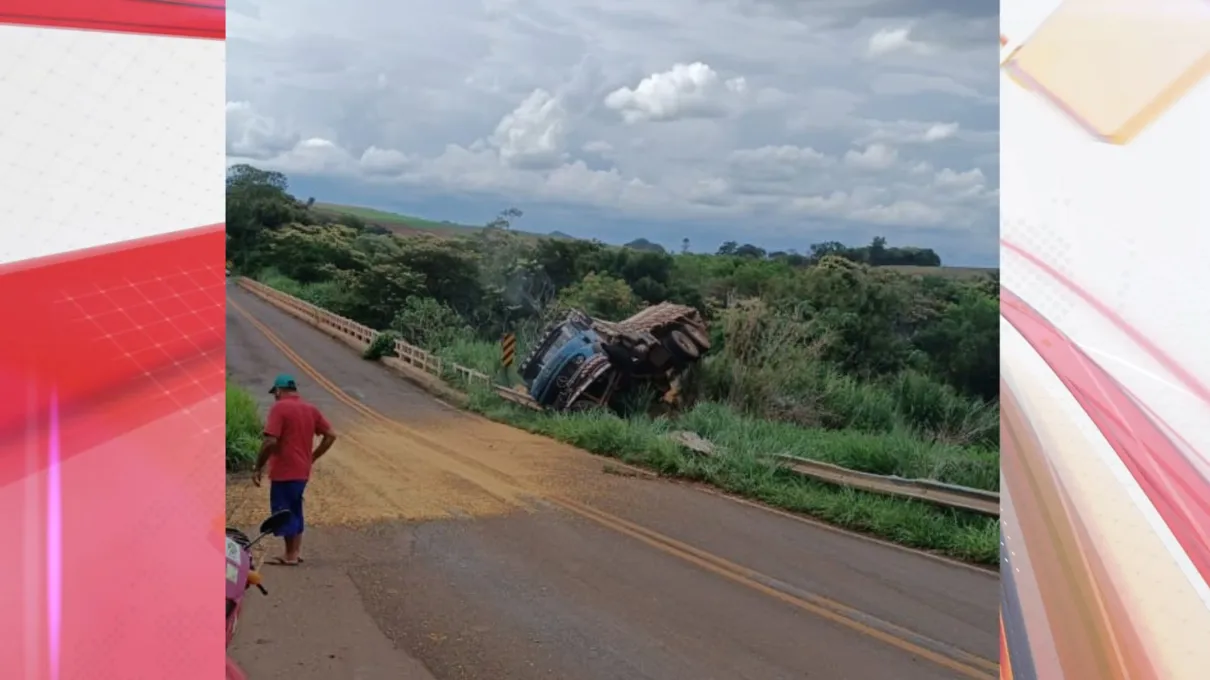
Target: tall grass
[897,452]
[768,366]
[742,468]
[244,429]
[481,356]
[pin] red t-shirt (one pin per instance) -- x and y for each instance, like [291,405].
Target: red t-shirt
[296,424]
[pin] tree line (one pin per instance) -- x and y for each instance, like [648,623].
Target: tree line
[806,321]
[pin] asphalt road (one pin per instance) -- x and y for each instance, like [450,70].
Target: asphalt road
[441,545]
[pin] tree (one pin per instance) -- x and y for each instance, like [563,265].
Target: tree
[244,176]
[309,254]
[257,202]
[504,220]
[449,270]
[566,262]
[865,318]
[602,296]
[963,343]
[380,291]
[750,251]
[818,251]
[877,251]
[429,323]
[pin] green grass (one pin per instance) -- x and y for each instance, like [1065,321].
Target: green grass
[244,428]
[898,453]
[947,272]
[874,439]
[810,394]
[395,219]
[741,468]
[408,224]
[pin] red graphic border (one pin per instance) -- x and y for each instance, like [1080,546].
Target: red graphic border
[205,19]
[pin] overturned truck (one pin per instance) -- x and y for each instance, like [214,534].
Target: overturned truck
[582,363]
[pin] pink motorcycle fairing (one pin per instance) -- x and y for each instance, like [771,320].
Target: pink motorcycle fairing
[239,563]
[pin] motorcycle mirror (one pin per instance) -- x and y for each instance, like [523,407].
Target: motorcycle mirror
[275,521]
[271,524]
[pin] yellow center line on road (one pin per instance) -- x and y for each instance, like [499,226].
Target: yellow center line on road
[944,655]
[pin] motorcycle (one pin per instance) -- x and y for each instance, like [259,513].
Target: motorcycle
[242,574]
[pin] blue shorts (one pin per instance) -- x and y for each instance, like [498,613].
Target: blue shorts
[288,496]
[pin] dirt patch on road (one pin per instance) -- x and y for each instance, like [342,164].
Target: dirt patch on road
[372,475]
[381,471]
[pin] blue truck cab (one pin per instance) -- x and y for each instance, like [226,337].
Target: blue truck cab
[557,366]
[553,366]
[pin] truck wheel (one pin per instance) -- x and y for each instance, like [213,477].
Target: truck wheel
[681,346]
[700,338]
[581,406]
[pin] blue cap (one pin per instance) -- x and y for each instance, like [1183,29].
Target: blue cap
[283,381]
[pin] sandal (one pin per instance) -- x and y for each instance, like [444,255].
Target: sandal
[283,562]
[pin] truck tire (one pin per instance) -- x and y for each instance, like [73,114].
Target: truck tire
[700,338]
[582,406]
[681,346]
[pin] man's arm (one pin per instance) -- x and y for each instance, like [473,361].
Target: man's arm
[268,445]
[324,429]
[324,444]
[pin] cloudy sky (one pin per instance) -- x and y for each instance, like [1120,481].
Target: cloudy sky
[777,122]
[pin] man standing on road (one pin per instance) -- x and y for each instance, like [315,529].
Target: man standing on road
[290,432]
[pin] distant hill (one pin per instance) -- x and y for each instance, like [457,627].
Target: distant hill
[645,245]
[406,225]
[403,225]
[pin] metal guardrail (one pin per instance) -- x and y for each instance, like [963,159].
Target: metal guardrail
[927,490]
[950,496]
[946,495]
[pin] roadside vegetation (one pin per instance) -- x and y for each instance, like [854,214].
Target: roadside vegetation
[830,354]
[244,428]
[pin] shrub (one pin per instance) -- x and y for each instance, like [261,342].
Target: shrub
[383,345]
[429,324]
[244,429]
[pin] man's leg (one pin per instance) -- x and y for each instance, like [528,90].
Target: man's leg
[294,538]
[288,496]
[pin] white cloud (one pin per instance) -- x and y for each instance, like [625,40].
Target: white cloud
[386,162]
[939,131]
[873,157]
[971,183]
[684,91]
[890,40]
[250,135]
[910,132]
[902,212]
[678,110]
[776,163]
[533,134]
